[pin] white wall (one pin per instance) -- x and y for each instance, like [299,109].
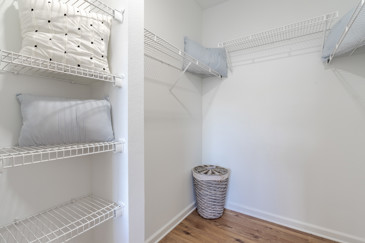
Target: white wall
[110,177]
[172,120]
[136,176]
[290,129]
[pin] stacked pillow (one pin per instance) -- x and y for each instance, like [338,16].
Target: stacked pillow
[58,32]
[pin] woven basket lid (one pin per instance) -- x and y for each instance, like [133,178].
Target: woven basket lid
[210,172]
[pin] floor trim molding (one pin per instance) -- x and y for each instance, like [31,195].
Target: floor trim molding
[156,237]
[295,224]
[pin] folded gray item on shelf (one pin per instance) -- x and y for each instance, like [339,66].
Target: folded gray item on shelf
[51,121]
[215,58]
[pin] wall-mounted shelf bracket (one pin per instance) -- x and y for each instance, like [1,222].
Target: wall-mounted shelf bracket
[119,147]
[118,212]
[180,76]
[119,15]
[118,80]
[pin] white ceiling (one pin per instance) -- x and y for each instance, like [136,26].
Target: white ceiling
[209,3]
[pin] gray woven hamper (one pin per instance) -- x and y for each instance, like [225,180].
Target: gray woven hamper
[210,186]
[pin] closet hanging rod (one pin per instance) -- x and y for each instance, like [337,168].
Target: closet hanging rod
[163,62]
[317,25]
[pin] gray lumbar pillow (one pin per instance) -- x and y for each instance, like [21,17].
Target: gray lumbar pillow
[215,58]
[51,121]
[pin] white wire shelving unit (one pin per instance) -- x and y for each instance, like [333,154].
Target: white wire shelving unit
[61,223]
[315,28]
[96,6]
[22,64]
[164,52]
[355,15]
[20,156]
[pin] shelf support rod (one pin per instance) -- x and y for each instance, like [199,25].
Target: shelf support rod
[180,76]
[324,33]
[348,27]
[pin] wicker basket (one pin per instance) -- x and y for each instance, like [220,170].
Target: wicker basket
[210,184]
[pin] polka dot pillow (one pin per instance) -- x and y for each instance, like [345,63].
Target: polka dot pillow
[62,33]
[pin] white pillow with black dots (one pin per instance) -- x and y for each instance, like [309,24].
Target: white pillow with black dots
[58,32]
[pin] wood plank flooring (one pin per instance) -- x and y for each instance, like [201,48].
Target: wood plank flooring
[235,227]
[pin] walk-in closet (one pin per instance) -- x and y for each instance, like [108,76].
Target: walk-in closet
[287,118]
[131,121]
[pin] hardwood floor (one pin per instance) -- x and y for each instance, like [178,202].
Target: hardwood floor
[235,227]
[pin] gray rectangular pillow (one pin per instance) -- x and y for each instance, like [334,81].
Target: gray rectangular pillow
[215,58]
[52,121]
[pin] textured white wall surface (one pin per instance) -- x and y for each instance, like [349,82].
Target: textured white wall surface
[291,129]
[172,120]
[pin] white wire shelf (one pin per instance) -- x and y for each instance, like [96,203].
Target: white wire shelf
[22,64]
[315,27]
[61,223]
[96,6]
[19,156]
[164,52]
[355,15]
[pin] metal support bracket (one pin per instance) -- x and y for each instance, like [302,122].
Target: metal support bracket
[119,148]
[119,15]
[120,210]
[180,76]
[118,80]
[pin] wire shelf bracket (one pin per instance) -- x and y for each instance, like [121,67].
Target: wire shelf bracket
[353,18]
[20,156]
[119,15]
[180,77]
[21,64]
[61,223]
[313,27]
[166,53]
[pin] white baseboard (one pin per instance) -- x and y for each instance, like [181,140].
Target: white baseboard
[295,224]
[156,237]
